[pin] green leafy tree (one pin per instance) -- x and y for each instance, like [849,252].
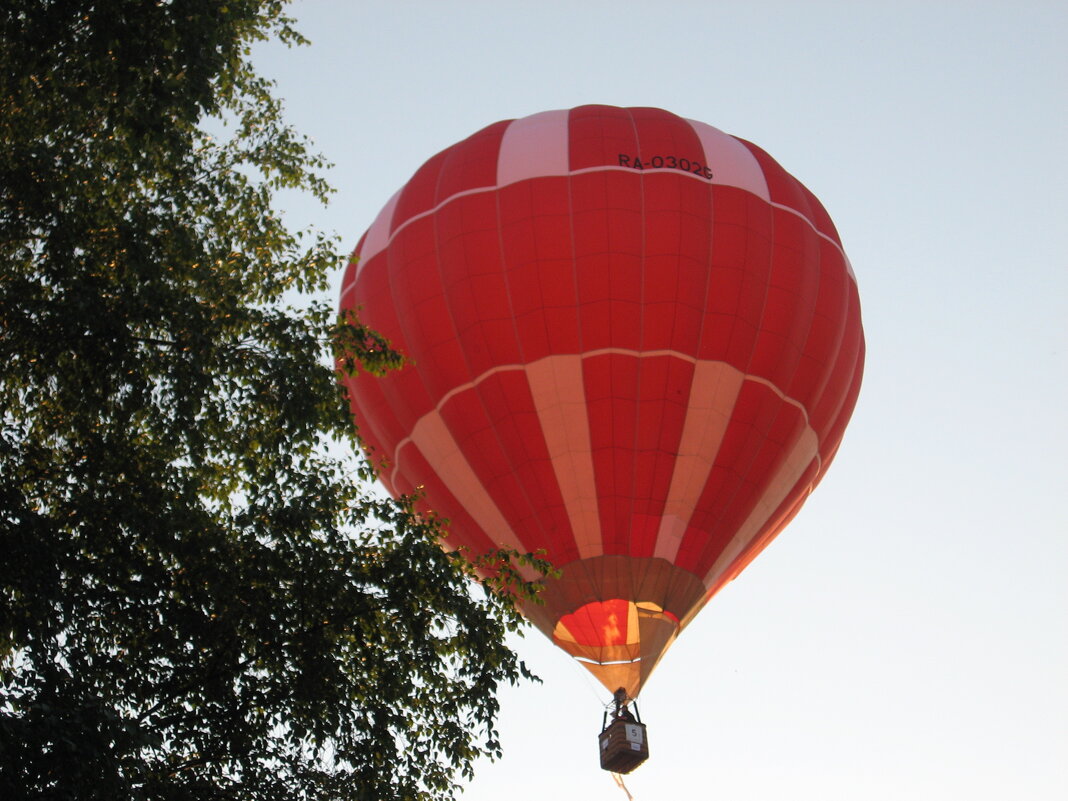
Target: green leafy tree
[198,597]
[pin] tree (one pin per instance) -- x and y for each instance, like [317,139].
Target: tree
[200,598]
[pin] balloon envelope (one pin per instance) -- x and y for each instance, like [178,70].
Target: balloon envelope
[634,342]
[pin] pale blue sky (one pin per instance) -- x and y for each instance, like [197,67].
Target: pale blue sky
[907,636]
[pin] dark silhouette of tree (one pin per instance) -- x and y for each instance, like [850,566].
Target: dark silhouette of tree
[199,597]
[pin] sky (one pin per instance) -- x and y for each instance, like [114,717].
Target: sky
[907,635]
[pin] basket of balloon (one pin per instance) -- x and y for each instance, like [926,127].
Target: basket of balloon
[624,746]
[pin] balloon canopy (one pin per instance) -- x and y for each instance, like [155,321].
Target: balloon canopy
[634,341]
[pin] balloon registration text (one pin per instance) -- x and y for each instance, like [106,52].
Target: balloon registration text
[665,163]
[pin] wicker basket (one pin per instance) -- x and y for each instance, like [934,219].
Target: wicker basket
[624,746]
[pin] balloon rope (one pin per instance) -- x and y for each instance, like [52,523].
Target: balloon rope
[593,687]
[619,783]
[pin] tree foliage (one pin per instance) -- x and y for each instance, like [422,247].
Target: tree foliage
[200,598]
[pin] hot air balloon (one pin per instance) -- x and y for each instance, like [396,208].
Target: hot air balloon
[634,342]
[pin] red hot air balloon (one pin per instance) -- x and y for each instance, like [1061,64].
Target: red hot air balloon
[634,342]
